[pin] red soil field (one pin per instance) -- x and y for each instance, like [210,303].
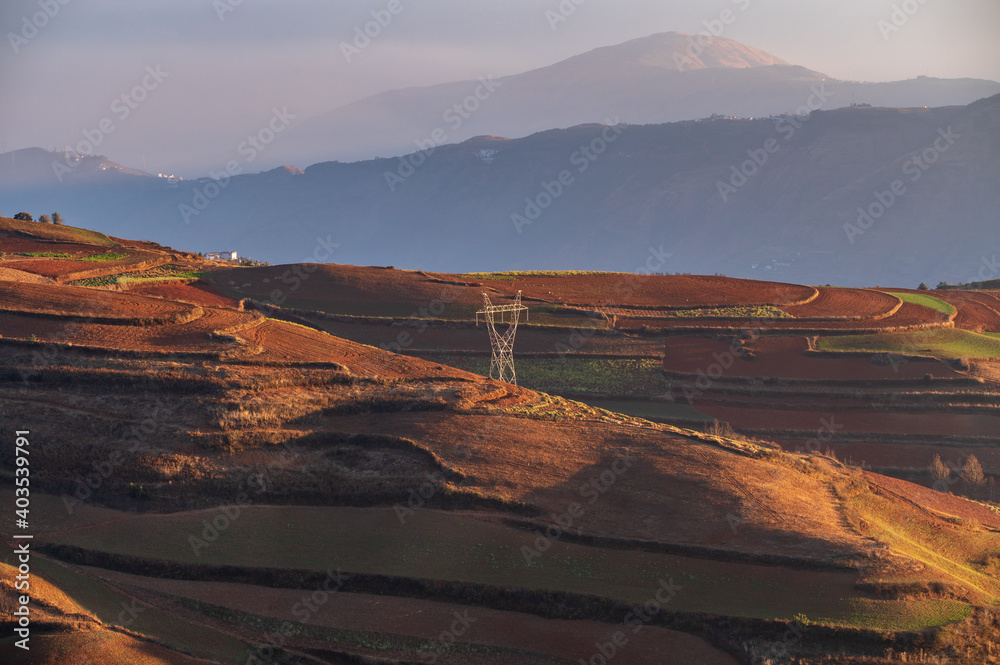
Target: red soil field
[907,455]
[846,304]
[291,343]
[191,337]
[51,267]
[976,311]
[930,423]
[68,269]
[572,640]
[337,283]
[88,303]
[938,501]
[658,290]
[11,275]
[784,357]
[13,244]
[196,293]
[909,317]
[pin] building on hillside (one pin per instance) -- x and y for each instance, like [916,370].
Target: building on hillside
[221,256]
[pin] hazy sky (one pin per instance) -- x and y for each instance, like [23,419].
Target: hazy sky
[225,64]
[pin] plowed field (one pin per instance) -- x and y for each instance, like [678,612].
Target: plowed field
[291,343]
[196,293]
[976,311]
[909,317]
[77,302]
[851,304]
[337,283]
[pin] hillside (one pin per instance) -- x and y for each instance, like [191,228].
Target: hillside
[210,467]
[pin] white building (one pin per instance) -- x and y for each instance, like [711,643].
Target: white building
[221,256]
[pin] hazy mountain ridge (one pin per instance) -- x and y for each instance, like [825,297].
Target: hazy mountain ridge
[661,78]
[466,206]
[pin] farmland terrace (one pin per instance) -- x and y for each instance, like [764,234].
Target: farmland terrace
[266,481]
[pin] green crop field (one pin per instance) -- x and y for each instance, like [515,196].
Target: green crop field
[46,255]
[169,273]
[110,606]
[936,304]
[626,377]
[106,256]
[439,545]
[737,312]
[650,409]
[941,343]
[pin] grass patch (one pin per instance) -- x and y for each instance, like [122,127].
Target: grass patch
[948,551]
[46,255]
[915,615]
[651,410]
[931,302]
[60,232]
[108,605]
[941,343]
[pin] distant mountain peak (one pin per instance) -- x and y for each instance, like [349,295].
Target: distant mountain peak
[682,52]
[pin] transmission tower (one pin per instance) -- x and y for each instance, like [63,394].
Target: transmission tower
[502,365]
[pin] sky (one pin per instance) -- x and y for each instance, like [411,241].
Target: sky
[198,75]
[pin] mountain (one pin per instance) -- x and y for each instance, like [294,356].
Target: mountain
[662,78]
[851,196]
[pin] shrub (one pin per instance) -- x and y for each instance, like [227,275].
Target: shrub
[939,471]
[24,217]
[972,471]
[45,219]
[923,287]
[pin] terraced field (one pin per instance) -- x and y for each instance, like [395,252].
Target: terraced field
[216,468]
[72,303]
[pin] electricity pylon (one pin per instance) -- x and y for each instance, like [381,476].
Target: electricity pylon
[502,364]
